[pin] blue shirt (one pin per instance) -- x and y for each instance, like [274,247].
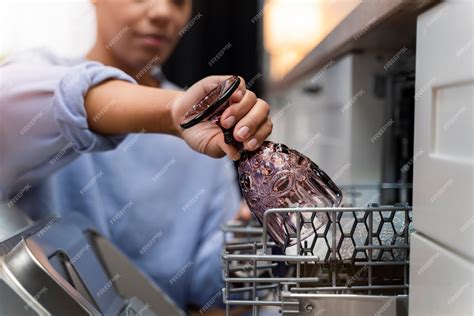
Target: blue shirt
[160,202]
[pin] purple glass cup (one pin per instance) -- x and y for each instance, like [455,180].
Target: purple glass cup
[273,176]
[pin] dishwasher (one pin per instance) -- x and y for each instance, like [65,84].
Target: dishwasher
[356,264]
[63,266]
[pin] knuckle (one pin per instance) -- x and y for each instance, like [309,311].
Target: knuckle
[266,107]
[252,96]
[236,110]
[242,80]
[270,124]
[253,124]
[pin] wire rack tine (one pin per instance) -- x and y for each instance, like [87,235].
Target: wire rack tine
[254,265]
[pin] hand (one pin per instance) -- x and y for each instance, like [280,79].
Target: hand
[244,213]
[248,113]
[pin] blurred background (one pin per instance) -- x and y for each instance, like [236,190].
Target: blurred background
[338,74]
[379,93]
[268,37]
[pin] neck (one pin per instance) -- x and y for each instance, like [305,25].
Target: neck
[100,54]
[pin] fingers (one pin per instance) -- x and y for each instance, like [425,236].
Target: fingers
[247,114]
[238,110]
[234,113]
[257,139]
[244,213]
[239,92]
[253,121]
[230,151]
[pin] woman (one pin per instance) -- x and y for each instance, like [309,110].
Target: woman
[78,135]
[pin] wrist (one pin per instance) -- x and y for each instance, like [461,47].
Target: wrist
[173,117]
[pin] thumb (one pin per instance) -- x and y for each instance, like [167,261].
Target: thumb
[231,152]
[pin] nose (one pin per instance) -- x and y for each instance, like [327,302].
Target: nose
[160,11]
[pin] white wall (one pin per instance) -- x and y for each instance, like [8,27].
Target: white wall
[67,27]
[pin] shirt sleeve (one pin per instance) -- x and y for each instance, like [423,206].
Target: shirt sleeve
[207,283]
[43,123]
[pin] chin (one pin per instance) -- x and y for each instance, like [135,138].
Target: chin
[145,60]
[153,56]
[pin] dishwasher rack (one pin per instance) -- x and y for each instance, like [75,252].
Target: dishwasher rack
[356,264]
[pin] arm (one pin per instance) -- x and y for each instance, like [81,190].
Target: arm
[142,109]
[49,111]
[128,113]
[43,123]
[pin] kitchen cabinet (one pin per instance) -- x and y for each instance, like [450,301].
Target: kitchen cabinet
[440,280]
[334,117]
[444,174]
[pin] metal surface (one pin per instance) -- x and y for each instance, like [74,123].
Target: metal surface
[62,267]
[12,221]
[345,304]
[344,273]
[42,284]
[400,191]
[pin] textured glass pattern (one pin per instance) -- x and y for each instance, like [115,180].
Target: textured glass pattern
[273,176]
[276,176]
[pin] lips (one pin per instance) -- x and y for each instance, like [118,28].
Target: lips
[154,40]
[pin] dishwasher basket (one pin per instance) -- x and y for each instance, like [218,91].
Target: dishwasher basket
[356,264]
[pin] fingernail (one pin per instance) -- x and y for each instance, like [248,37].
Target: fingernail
[236,157]
[243,132]
[229,122]
[252,143]
[239,94]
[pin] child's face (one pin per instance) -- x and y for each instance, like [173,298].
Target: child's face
[137,32]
